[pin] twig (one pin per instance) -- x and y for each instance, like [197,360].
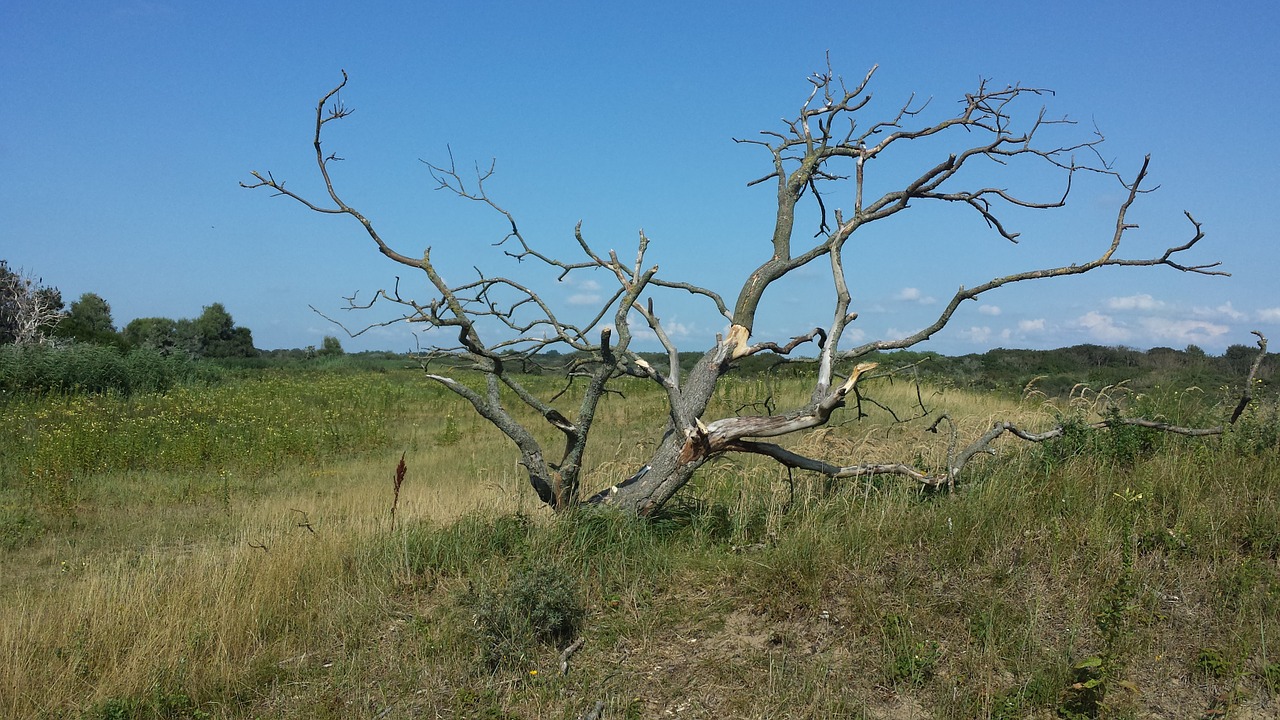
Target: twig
[1247,396]
[568,653]
[306,521]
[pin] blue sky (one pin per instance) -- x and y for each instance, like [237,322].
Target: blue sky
[126,127]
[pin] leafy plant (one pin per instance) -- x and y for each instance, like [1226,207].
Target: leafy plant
[1271,676]
[1210,662]
[1084,698]
[450,434]
[1092,677]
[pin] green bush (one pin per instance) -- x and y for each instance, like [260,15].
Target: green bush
[1257,431]
[539,604]
[85,368]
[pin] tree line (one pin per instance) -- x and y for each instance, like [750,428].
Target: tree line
[32,313]
[1054,372]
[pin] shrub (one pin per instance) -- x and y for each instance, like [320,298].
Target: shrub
[85,368]
[539,604]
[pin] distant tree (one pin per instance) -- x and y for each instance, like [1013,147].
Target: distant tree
[213,335]
[240,344]
[186,338]
[28,309]
[1164,358]
[89,320]
[331,347]
[216,336]
[1238,358]
[157,333]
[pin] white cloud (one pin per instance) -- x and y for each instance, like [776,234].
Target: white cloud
[910,294]
[587,291]
[1229,311]
[674,329]
[1036,325]
[990,309]
[1134,302]
[1225,310]
[1183,331]
[677,329]
[1269,314]
[584,299]
[1103,327]
[977,334]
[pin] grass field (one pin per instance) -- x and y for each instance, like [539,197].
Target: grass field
[227,551]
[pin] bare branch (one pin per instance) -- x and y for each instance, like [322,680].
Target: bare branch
[829,153]
[28,310]
[1246,395]
[1107,258]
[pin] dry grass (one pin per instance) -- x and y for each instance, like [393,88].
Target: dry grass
[285,592]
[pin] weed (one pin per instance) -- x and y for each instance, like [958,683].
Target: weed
[1210,662]
[1257,431]
[18,527]
[450,434]
[910,661]
[397,481]
[1092,677]
[1271,676]
[160,703]
[1084,698]
[1041,689]
[1123,444]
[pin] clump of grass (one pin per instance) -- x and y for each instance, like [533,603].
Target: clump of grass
[910,660]
[19,527]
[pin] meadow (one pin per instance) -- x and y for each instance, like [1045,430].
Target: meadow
[227,550]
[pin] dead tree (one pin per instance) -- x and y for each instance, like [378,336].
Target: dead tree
[28,310]
[827,148]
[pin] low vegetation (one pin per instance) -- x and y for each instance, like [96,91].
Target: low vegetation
[224,549]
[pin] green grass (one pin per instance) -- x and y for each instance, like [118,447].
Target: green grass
[226,551]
